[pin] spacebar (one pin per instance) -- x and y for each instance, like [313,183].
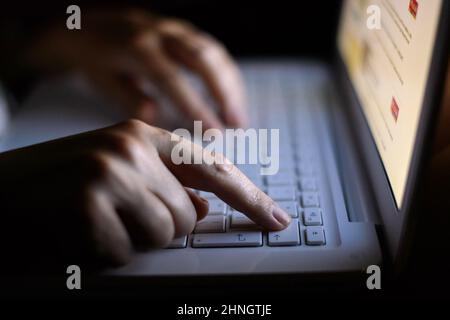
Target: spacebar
[230,239]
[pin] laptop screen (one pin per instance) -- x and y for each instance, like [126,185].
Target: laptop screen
[387,48]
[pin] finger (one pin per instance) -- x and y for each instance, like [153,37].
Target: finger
[141,104]
[135,162]
[210,60]
[168,77]
[201,204]
[161,182]
[147,219]
[126,90]
[109,236]
[220,177]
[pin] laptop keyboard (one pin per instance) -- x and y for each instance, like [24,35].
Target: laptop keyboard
[295,187]
[226,227]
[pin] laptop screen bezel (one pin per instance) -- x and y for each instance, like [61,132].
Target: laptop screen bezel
[396,221]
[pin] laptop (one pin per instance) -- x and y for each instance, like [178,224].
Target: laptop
[353,135]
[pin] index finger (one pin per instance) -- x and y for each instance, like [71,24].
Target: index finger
[168,77]
[211,61]
[217,174]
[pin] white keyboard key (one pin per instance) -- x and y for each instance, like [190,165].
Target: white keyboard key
[241,221]
[287,237]
[207,195]
[229,239]
[307,184]
[314,236]
[310,199]
[178,243]
[290,207]
[281,192]
[281,178]
[312,217]
[217,207]
[211,224]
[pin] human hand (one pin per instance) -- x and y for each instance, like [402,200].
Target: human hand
[122,51]
[105,193]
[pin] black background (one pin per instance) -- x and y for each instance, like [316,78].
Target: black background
[263,28]
[304,28]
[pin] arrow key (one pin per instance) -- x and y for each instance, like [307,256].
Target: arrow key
[287,237]
[315,236]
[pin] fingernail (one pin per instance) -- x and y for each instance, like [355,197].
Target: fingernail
[281,216]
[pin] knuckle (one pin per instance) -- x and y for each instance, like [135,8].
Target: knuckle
[160,134]
[134,127]
[158,130]
[210,50]
[222,168]
[126,145]
[173,25]
[261,200]
[99,163]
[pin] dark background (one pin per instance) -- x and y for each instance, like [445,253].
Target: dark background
[263,28]
[248,27]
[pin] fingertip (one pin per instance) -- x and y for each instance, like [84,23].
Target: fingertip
[282,218]
[275,220]
[201,205]
[202,209]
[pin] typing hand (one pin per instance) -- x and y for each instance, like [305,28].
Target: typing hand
[121,52]
[106,193]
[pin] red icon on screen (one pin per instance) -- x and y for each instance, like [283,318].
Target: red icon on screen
[394,109]
[413,7]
